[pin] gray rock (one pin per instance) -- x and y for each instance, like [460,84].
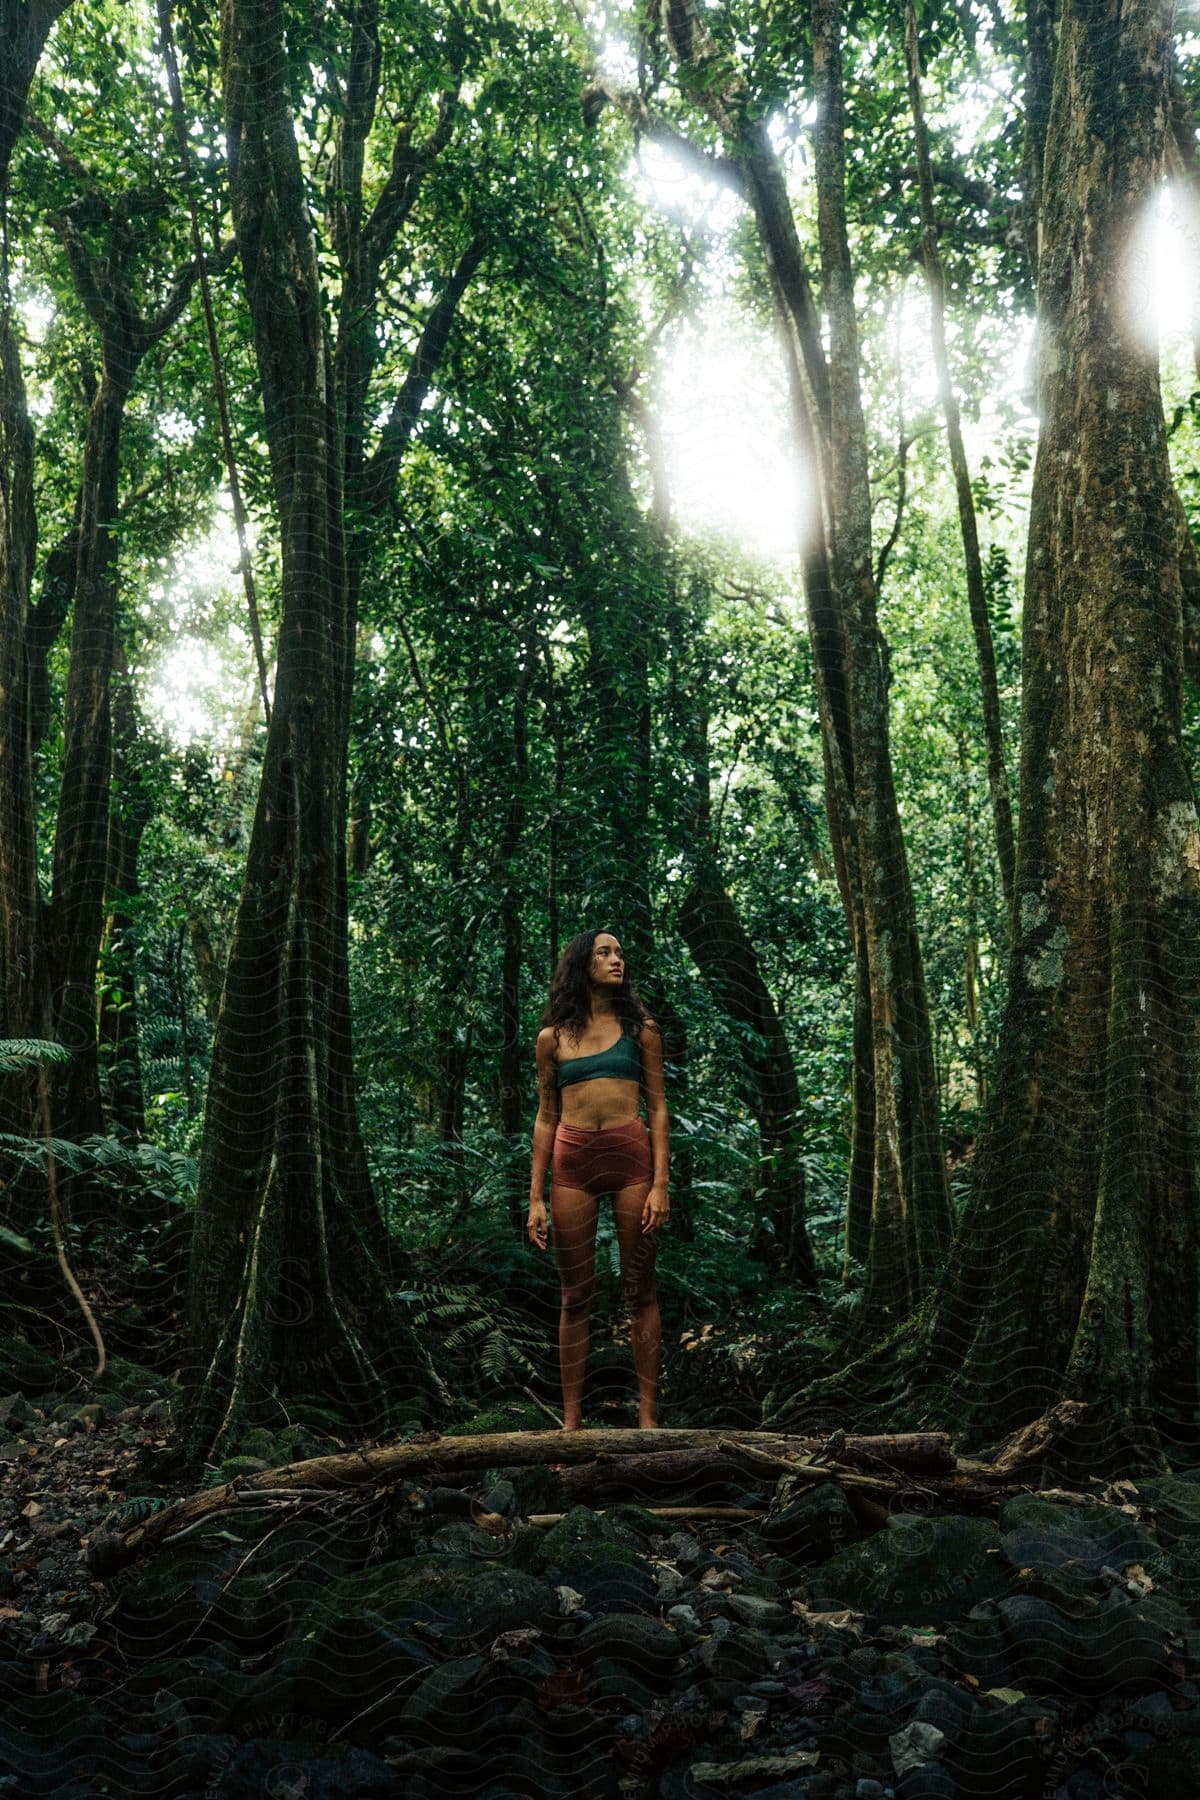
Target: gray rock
[440,1700]
[1000,1755]
[947,1707]
[1152,1706]
[763,1614]
[631,1641]
[1047,1536]
[1039,1642]
[729,1664]
[815,1526]
[978,1646]
[684,1618]
[915,1744]
[280,1768]
[921,1570]
[610,1679]
[598,1557]
[457,1598]
[1117,1650]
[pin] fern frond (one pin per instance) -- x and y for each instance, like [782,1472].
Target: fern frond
[140,1507]
[17,1054]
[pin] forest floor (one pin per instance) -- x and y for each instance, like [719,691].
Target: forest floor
[387,1644]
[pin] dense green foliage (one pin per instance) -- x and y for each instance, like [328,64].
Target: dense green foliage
[527,542]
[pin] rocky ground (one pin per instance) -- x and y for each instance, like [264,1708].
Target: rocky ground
[391,1644]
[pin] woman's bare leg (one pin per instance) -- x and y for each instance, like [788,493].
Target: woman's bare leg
[573,1215]
[640,1295]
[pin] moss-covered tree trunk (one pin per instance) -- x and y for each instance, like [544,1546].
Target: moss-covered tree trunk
[513,1051]
[75,917]
[899,1210]
[74,920]
[286,1294]
[24,997]
[985,652]
[117,1030]
[1075,1271]
[910,1218]
[728,963]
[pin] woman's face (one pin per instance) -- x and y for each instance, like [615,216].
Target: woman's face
[608,962]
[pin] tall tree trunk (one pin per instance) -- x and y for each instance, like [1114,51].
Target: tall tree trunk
[75,917]
[909,1207]
[132,811]
[1075,1270]
[209,969]
[286,1289]
[26,994]
[729,967]
[911,1221]
[976,594]
[1041,18]
[971,955]
[286,1293]
[24,1001]
[512,1050]
[677,629]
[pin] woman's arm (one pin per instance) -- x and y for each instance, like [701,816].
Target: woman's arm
[544,1128]
[658,1205]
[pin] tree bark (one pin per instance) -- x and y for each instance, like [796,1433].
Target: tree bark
[1040,20]
[728,964]
[512,1050]
[976,595]
[286,1291]
[1075,1271]
[24,1001]
[118,1007]
[910,1218]
[898,1172]
[923,1453]
[74,919]
[76,914]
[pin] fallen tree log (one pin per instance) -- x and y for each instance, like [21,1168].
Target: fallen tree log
[1032,1442]
[433,1456]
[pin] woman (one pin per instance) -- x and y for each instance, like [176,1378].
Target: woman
[588,1085]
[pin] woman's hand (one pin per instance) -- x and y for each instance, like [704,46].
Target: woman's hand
[535,1224]
[656,1211]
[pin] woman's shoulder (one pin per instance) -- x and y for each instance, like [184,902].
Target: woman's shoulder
[545,1039]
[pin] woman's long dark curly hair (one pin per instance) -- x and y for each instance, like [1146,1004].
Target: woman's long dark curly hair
[570,1002]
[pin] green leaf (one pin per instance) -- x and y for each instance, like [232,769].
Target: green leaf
[22,1053]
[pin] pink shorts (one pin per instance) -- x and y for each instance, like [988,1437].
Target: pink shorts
[602,1162]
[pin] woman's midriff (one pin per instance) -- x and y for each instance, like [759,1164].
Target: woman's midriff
[599,1104]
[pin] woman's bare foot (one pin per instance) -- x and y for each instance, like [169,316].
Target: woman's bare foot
[572,1425]
[647,1424]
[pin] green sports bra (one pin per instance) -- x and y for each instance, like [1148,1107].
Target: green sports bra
[622,1059]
